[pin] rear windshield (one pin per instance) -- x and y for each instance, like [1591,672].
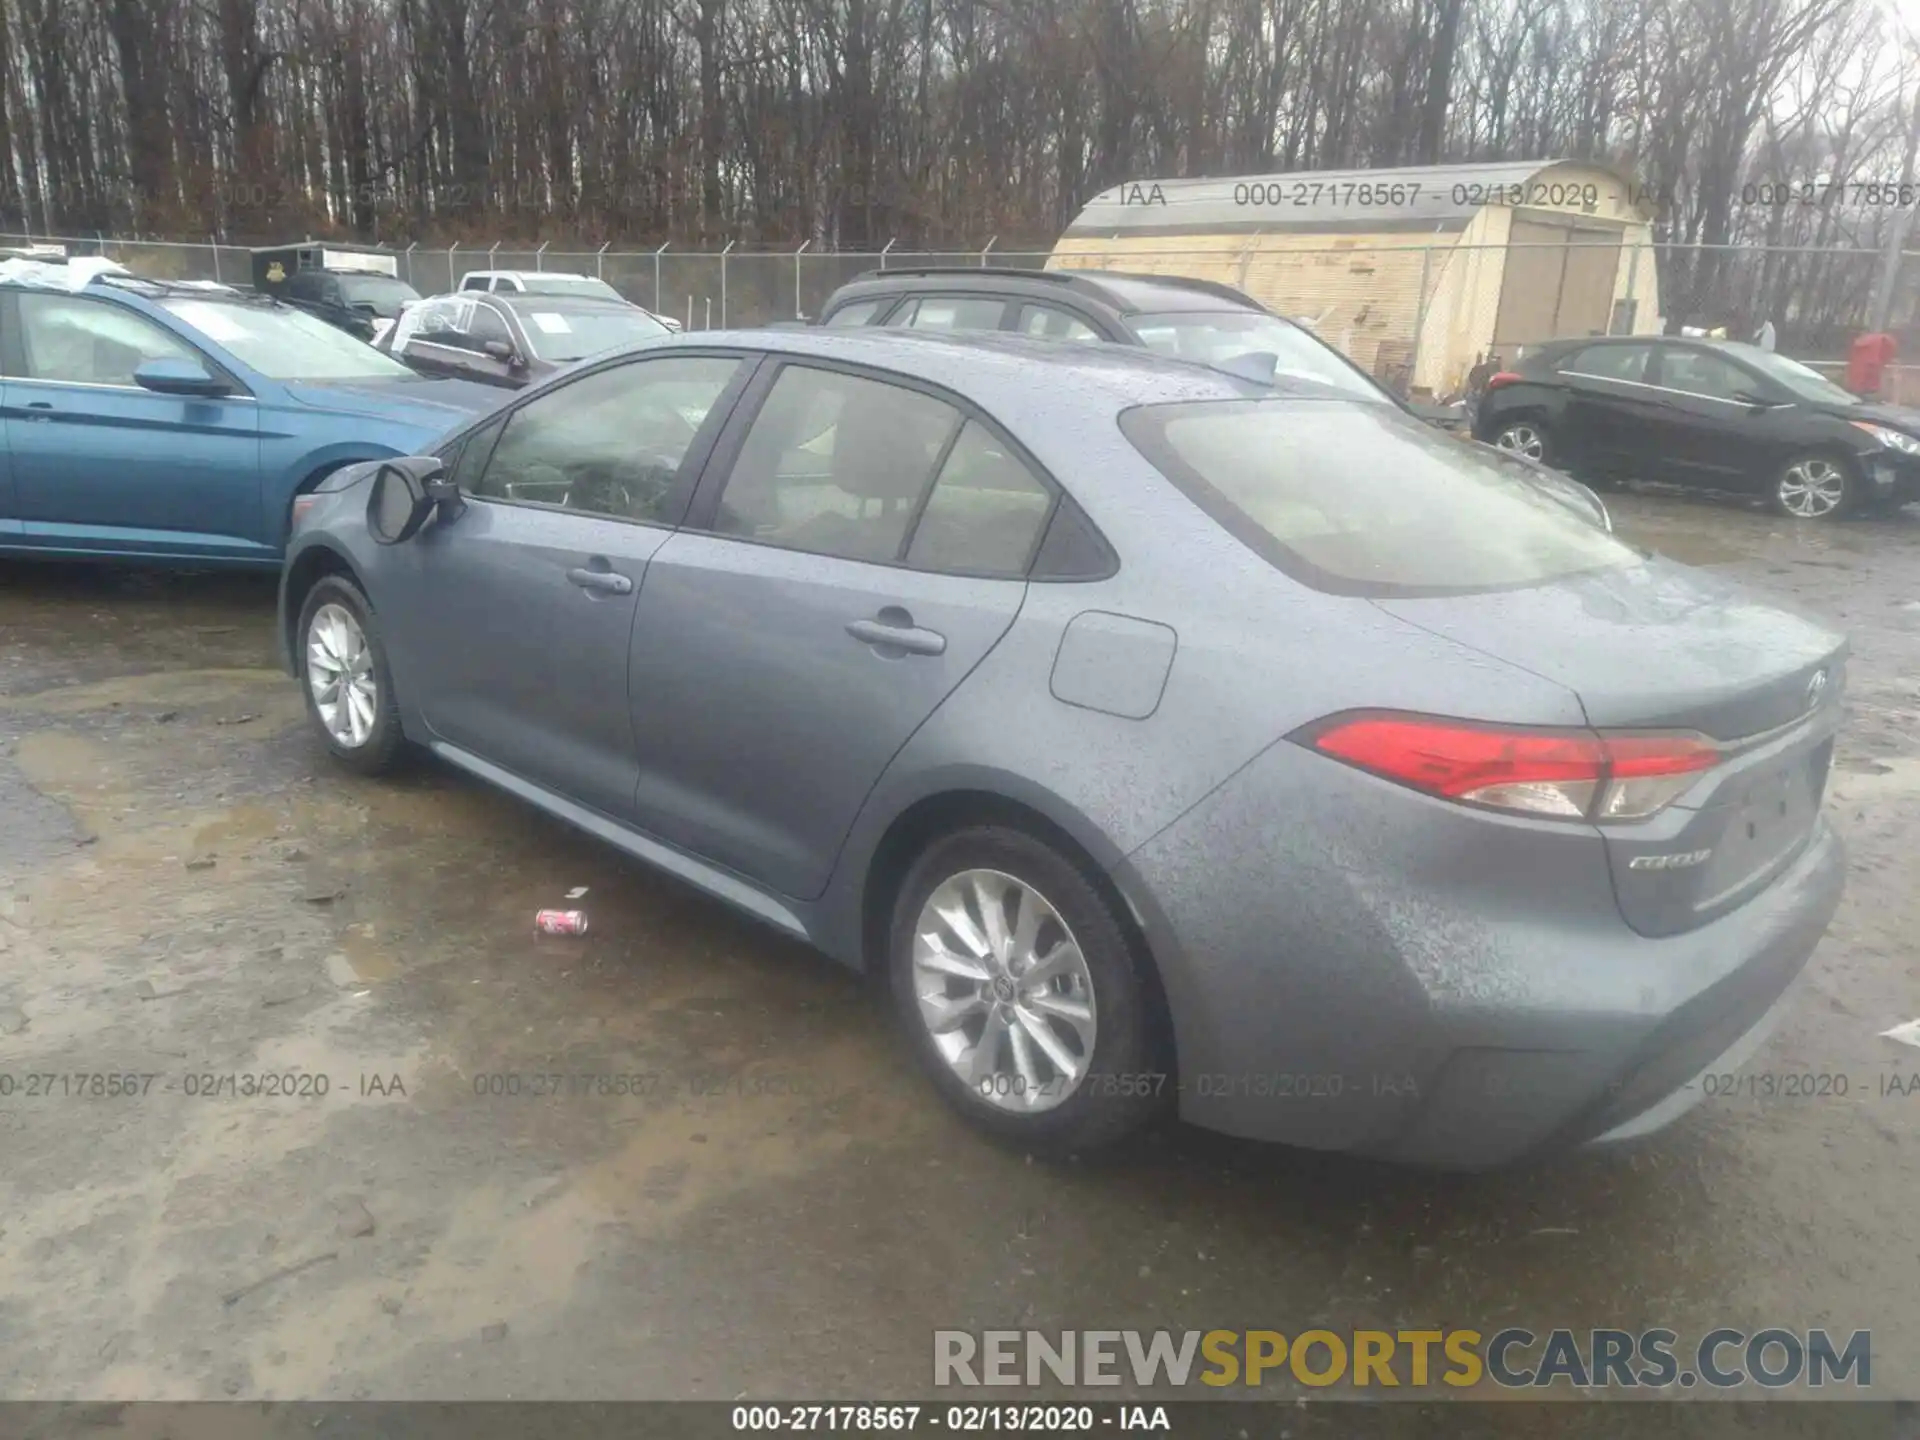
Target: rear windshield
[1215,337]
[1362,500]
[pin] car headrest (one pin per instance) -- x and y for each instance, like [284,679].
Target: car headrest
[884,443]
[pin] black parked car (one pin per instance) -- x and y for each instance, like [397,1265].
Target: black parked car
[509,339]
[1712,413]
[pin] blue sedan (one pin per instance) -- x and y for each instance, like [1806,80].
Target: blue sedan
[173,422]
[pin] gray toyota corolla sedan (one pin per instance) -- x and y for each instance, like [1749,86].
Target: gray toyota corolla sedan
[1166,740]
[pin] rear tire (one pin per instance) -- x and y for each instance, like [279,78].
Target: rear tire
[1525,436]
[1025,1001]
[344,676]
[1815,487]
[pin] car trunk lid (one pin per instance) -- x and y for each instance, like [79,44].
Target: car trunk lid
[1659,647]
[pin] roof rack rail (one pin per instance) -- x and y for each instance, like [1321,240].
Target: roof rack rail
[1021,270]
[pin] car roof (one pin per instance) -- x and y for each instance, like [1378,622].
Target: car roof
[532,275]
[124,286]
[1010,376]
[1120,291]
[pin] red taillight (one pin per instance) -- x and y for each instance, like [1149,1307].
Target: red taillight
[1503,377]
[1571,774]
[301,505]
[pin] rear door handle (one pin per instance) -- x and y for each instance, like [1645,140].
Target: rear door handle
[45,406]
[605,581]
[898,634]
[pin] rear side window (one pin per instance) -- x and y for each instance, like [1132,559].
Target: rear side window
[1609,362]
[986,511]
[1048,323]
[952,312]
[858,313]
[1357,499]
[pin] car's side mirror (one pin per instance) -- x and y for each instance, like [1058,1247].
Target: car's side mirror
[503,352]
[176,375]
[405,492]
[1757,402]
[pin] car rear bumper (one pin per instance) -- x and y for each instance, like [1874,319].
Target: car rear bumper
[1335,985]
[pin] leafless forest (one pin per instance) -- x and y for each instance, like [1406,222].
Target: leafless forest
[932,122]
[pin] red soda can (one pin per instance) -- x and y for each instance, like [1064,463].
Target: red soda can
[561,922]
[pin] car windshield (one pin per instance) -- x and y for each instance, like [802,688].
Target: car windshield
[1214,337]
[1363,500]
[286,344]
[1802,380]
[559,285]
[560,334]
[384,293]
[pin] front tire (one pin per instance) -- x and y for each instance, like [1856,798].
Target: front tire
[344,675]
[1526,436]
[1026,1003]
[1815,487]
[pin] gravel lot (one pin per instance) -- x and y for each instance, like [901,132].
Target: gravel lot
[187,889]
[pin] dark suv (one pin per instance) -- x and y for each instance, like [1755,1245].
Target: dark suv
[1200,320]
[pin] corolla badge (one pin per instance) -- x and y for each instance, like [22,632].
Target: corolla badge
[1816,688]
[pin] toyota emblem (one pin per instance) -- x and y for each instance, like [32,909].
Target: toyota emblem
[1816,687]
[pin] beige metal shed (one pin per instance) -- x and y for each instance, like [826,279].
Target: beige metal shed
[1415,273]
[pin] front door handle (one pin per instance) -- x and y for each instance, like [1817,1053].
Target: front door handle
[893,629]
[605,581]
[46,409]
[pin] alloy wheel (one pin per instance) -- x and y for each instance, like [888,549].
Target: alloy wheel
[1004,990]
[340,676]
[1522,440]
[1812,488]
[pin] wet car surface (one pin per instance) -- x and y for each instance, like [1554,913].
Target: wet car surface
[776,1206]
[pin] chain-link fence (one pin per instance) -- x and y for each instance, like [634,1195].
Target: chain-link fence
[1417,313]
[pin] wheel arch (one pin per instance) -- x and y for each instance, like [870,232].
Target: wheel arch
[942,812]
[314,468]
[304,571]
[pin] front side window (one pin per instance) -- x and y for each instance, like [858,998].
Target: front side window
[835,464]
[1214,337]
[1362,500]
[487,326]
[1802,380]
[92,342]
[1609,362]
[1700,372]
[950,312]
[610,443]
[285,344]
[468,461]
[986,511]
